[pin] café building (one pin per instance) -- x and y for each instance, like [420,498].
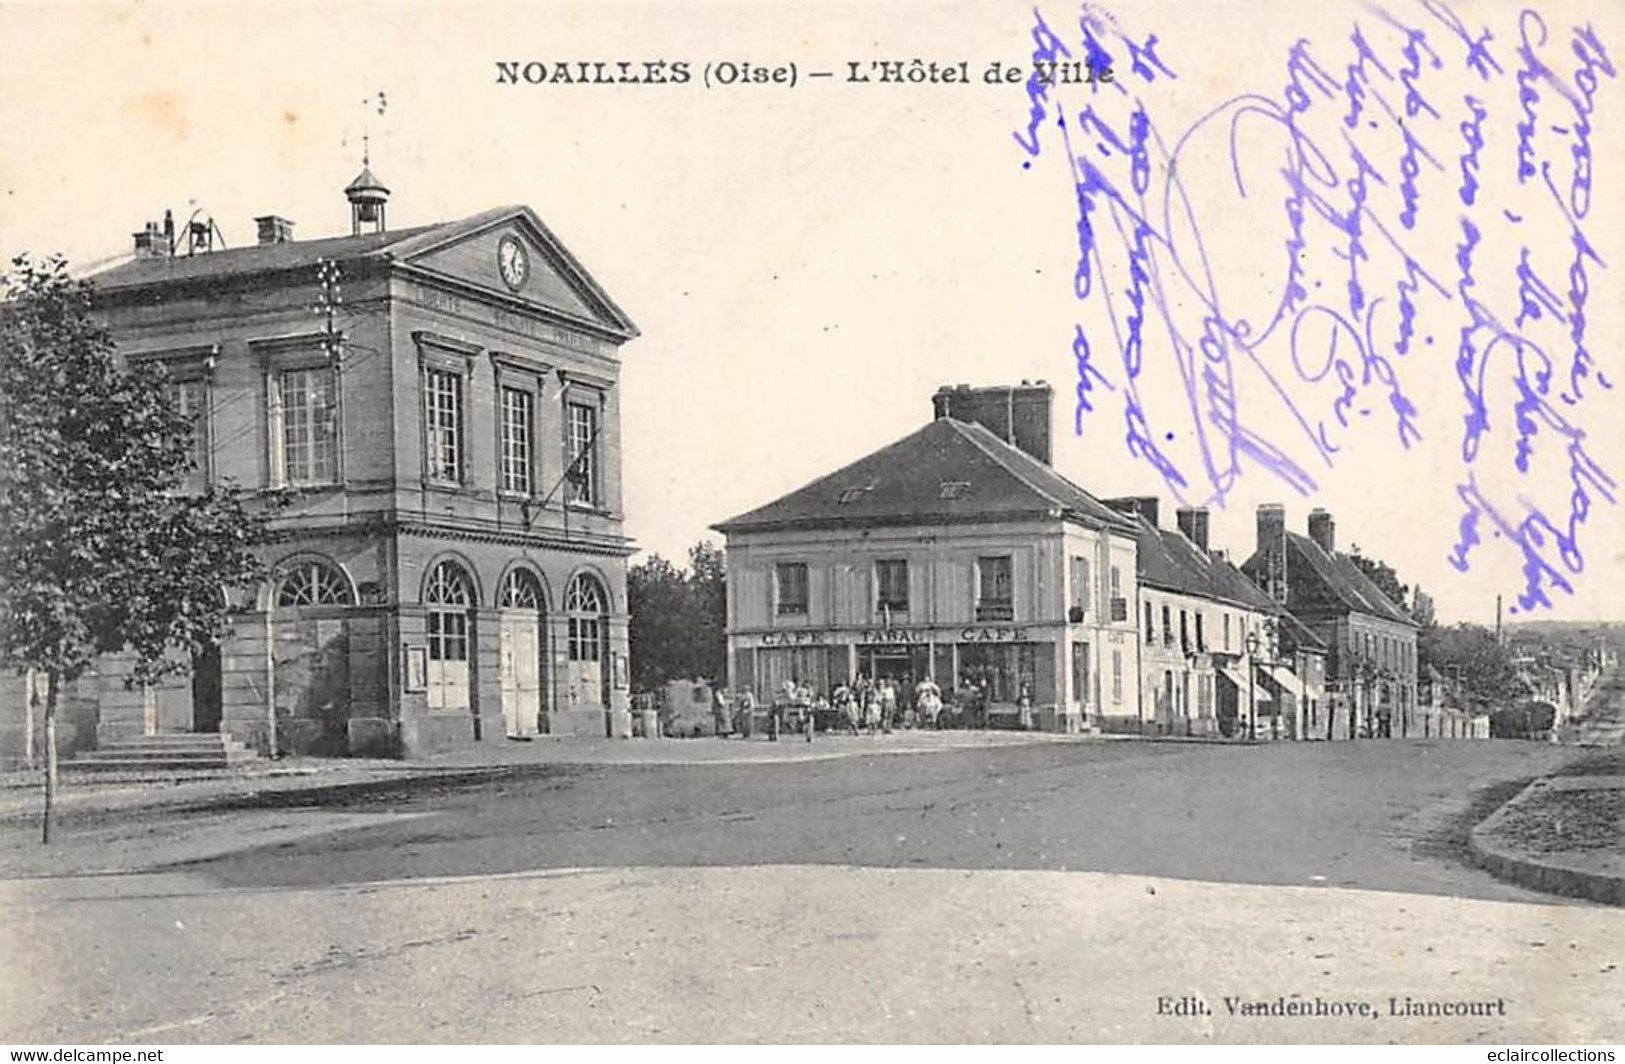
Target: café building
[956,553]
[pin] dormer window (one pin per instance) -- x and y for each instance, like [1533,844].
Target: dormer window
[851,495]
[954,489]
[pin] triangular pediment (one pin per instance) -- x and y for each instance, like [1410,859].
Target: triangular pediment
[510,252]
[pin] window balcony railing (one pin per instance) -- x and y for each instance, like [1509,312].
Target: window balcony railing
[995,611]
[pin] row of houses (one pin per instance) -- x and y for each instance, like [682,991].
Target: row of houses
[451,561]
[958,553]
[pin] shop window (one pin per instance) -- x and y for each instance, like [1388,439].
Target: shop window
[891,586]
[999,670]
[791,581]
[994,601]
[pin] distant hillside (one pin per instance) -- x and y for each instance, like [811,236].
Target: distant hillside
[1571,631]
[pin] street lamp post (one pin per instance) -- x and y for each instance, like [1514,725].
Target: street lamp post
[1252,687]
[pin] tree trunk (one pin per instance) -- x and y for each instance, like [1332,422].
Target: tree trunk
[52,686]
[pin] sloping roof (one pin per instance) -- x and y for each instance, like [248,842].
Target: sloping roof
[1344,580]
[1352,587]
[907,481]
[255,258]
[397,245]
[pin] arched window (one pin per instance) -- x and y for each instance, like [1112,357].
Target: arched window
[448,595]
[584,602]
[312,583]
[521,591]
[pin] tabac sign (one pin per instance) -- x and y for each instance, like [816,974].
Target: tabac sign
[921,636]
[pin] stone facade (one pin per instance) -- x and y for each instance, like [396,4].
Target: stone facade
[452,560]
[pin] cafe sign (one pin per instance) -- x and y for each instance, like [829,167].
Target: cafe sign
[792,639]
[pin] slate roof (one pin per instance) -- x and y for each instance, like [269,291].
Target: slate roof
[1340,577]
[254,258]
[906,482]
[396,245]
[1167,560]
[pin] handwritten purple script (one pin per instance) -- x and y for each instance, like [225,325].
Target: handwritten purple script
[1373,185]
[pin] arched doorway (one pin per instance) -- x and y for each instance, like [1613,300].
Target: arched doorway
[524,652]
[586,607]
[449,596]
[311,657]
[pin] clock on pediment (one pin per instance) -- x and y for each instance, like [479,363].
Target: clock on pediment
[513,262]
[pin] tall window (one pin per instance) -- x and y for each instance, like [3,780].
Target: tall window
[584,602]
[1227,632]
[448,598]
[518,418]
[1167,625]
[1184,631]
[891,586]
[443,421]
[186,399]
[994,600]
[1117,676]
[1080,586]
[309,425]
[583,455]
[1150,624]
[1201,637]
[791,578]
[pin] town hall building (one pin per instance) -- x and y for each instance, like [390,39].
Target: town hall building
[439,409]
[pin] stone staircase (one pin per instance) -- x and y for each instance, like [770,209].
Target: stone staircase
[208,752]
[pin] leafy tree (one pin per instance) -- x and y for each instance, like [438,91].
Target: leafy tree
[1383,575]
[658,598]
[708,584]
[1471,653]
[99,549]
[679,618]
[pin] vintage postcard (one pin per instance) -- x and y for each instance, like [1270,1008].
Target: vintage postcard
[696,522]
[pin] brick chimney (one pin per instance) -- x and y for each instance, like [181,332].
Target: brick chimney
[153,242]
[1193,522]
[274,229]
[1017,414]
[1322,529]
[1272,549]
[1144,505]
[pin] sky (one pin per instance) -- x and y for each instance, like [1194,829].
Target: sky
[809,263]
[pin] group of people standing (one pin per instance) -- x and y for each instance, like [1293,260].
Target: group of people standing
[869,705]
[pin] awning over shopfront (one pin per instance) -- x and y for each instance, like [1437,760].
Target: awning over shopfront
[1236,677]
[1288,680]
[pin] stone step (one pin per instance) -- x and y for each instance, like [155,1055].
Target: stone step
[155,753]
[149,767]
